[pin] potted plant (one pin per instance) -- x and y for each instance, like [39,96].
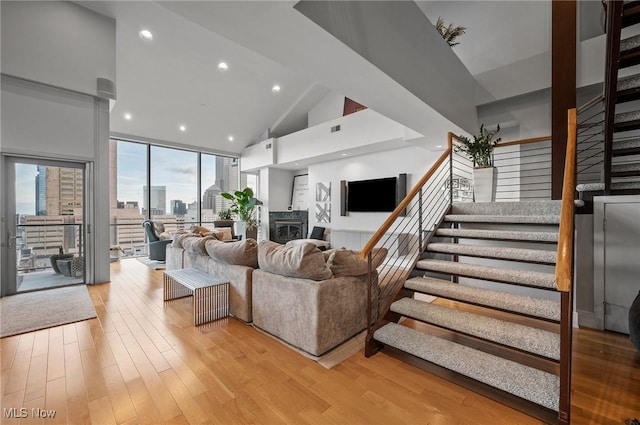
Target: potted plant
[225,218]
[243,205]
[448,32]
[480,151]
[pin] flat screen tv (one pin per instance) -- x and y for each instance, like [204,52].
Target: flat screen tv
[377,195]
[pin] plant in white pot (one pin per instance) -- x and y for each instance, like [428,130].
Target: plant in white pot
[243,205]
[480,151]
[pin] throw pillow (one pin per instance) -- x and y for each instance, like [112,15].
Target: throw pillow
[196,244]
[302,261]
[242,253]
[157,227]
[322,245]
[345,262]
[223,233]
[179,239]
[199,230]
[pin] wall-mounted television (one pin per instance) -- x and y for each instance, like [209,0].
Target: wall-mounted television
[376,195]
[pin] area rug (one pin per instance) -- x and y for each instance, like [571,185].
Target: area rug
[154,264]
[334,357]
[33,311]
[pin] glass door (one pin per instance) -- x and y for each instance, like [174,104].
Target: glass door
[45,212]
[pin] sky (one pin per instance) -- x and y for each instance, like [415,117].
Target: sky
[175,169]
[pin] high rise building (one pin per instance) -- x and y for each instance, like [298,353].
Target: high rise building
[41,190]
[64,190]
[178,207]
[158,199]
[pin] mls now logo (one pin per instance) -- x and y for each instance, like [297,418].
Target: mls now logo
[41,413]
[14,412]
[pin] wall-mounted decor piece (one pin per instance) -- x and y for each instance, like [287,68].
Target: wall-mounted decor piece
[300,193]
[323,202]
[323,212]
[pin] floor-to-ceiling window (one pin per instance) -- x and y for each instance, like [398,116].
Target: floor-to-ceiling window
[177,187]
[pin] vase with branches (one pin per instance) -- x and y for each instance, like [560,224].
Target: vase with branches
[449,32]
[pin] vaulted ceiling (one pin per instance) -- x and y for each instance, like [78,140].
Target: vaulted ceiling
[174,79]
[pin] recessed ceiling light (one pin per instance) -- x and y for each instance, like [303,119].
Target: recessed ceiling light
[222,66]
[230,138]
[343,154]
[438,146]
[183,127]
[146,35]
[127,116]
[275,88]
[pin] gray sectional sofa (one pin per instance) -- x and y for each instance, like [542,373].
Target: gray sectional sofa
[234,261]
[310,299]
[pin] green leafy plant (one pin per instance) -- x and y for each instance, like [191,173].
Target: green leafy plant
[225,214]
[449,32]
[243,203]
[480,149]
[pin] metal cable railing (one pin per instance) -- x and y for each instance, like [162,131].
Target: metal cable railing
[404,235]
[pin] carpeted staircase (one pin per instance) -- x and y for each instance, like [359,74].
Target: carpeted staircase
[495,320]
[622,105]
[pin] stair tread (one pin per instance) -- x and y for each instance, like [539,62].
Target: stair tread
[621,168]
[507,219]
[629,43]
[520,208]
[523,381]
[525,338]
[619,145]
[595,187]
[626,117]
[531,306]
[502,253]
[519,277]
[628,83]
[499,235]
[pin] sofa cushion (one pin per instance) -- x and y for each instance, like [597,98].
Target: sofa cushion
[223,233]
[302,261]
[196,244]
[345,262]
[242,253]
[181,237]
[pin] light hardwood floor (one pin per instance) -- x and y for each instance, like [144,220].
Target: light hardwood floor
[143,362]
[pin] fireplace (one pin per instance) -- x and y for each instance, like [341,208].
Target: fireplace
[287,230]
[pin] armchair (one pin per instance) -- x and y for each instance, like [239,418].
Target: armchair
[157,246]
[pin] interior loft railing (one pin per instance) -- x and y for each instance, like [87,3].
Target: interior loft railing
[564,267]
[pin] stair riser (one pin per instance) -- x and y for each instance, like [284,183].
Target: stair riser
[459,255]
[491,280]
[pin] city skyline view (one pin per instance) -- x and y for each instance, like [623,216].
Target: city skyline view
[173,168]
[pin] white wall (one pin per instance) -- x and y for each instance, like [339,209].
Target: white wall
[329,108]
[280,186]
[58,43]
[46,121]
[414,161]
[56,51]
